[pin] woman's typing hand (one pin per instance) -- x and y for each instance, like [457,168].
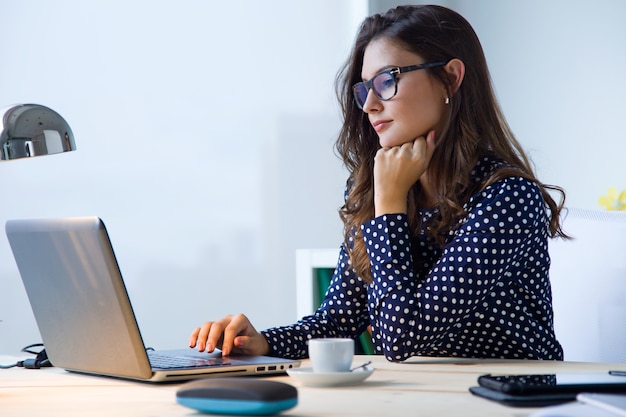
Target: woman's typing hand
[231,334]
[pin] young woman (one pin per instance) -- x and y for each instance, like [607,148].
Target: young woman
[446,226]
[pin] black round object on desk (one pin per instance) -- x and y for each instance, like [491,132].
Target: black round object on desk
[237,396]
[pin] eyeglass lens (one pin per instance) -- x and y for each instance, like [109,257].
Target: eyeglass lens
[383,85]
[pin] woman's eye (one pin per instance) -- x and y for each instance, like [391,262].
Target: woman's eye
[385,82]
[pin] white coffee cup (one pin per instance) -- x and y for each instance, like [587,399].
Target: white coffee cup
[331,354]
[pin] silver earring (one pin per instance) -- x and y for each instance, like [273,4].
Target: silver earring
[447,100]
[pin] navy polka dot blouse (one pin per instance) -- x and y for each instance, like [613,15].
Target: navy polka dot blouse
[486,294]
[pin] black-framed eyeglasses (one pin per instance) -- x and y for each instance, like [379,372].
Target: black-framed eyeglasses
[385,83]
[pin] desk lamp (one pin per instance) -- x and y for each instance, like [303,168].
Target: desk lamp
[29,130]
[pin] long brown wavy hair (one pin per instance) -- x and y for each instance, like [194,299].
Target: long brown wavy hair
[476,127]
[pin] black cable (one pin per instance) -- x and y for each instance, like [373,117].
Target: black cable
[39,361]
[28,349]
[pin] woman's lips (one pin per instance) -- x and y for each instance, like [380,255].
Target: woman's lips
[381,124]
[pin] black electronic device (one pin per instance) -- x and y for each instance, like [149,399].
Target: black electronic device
[537,390]
[530,400]
[558,382]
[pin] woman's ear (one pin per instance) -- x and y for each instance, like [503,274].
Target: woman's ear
[456,71]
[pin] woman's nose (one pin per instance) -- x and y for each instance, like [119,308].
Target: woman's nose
[372,103]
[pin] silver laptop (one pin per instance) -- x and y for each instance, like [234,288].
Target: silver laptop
[84,314]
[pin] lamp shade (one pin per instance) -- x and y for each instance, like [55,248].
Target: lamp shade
[29,130]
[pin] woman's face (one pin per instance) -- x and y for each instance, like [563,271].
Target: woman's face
[417,108]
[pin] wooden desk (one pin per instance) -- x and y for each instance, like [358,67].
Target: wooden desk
[418,387]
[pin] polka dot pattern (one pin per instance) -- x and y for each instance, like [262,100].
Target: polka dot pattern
[486,294]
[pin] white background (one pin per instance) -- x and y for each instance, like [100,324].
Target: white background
[205,132]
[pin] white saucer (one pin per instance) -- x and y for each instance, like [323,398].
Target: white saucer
[307,377]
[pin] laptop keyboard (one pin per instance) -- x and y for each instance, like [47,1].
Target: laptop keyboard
[158,361]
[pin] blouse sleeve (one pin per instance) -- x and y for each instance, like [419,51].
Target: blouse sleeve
[483,295]
[343,313]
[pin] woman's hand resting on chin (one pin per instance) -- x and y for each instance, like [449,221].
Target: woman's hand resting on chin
[396,169]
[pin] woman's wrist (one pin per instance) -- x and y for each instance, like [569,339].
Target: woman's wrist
[389,206]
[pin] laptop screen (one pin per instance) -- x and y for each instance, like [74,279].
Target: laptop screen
[78,296]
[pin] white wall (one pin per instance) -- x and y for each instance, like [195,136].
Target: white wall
[195,123]
[204,133]
[558,67]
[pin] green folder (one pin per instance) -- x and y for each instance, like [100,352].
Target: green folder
[323,276]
